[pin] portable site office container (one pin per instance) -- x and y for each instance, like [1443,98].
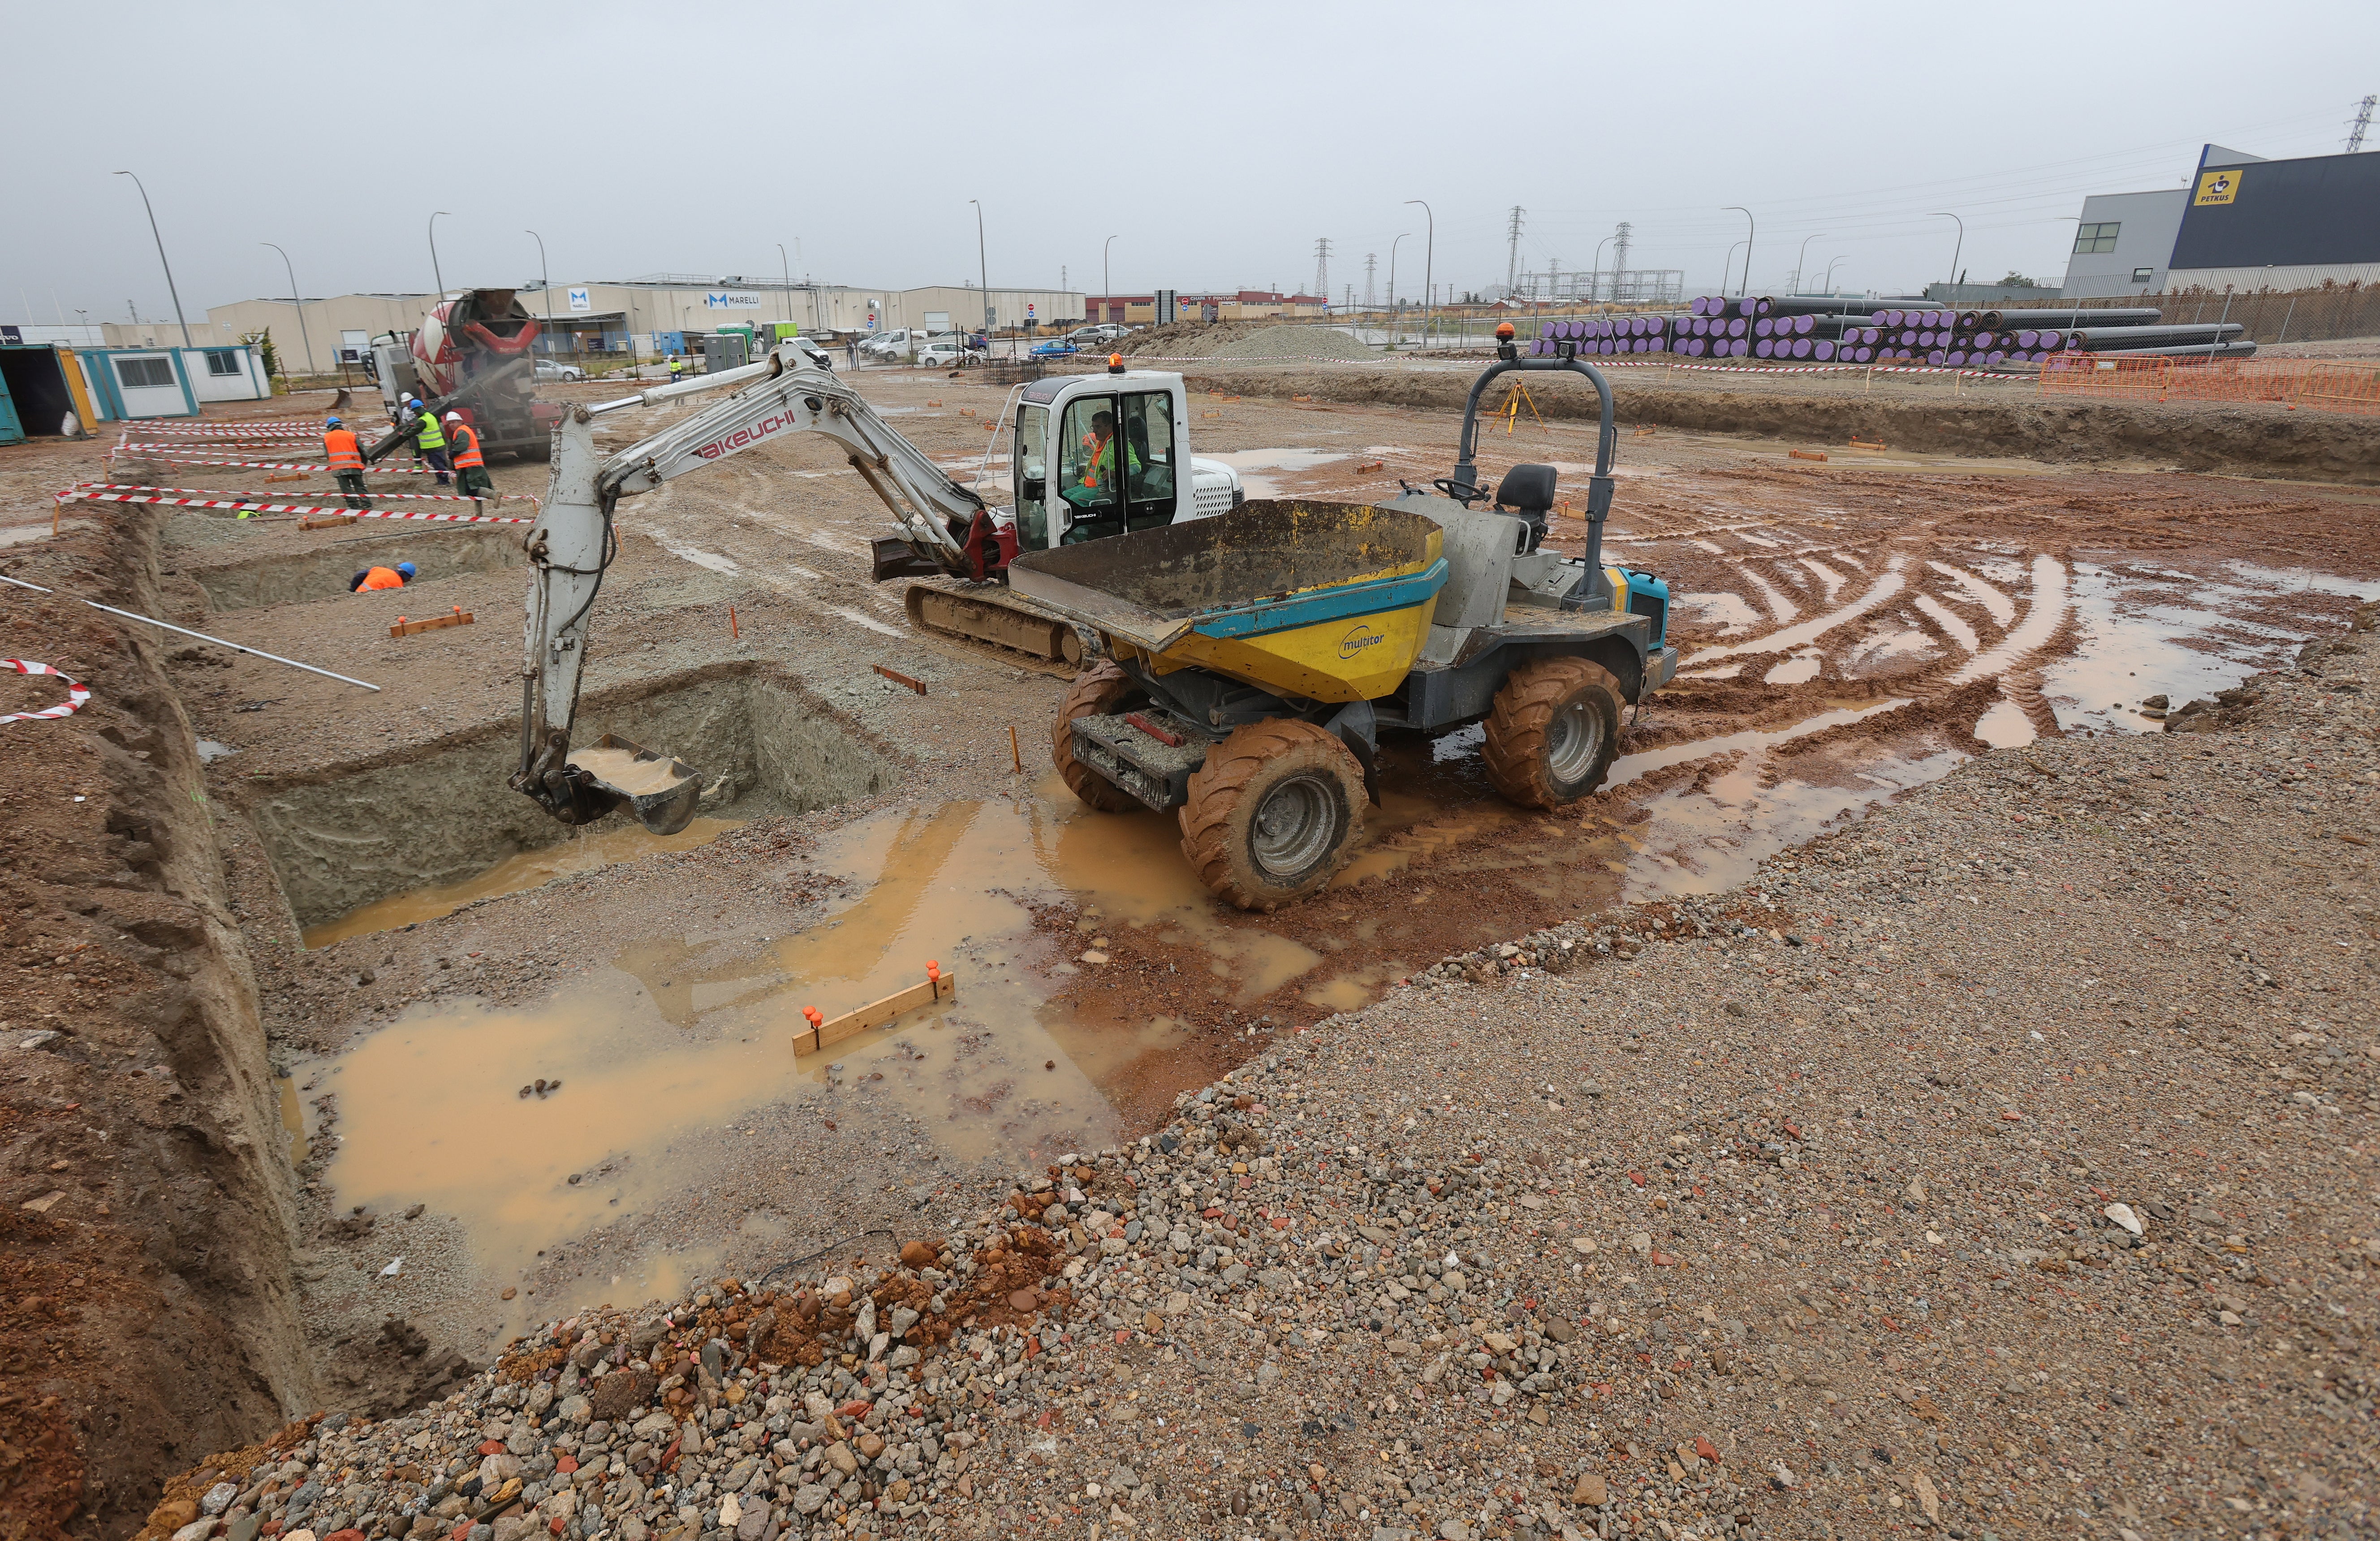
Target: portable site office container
[135,383]
[41,385]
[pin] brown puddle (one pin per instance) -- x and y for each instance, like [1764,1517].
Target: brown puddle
[582,853]
[682,1043]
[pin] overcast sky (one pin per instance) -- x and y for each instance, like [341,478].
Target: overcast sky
[1215,142]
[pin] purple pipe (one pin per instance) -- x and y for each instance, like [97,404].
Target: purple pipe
[1822,350]
[1801,346]
[1763,348]
[1955,357]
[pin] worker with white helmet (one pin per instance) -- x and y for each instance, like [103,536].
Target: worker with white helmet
[471,476]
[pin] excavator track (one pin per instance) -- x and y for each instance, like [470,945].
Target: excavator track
[992,619]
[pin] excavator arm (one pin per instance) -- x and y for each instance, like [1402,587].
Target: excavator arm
[574,542]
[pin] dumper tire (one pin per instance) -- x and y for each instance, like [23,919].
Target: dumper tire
[1553,731]
[1272,814]
[1100,690]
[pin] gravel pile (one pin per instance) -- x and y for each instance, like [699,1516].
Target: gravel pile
[1293,342]
[1242,340]
[2000,1166]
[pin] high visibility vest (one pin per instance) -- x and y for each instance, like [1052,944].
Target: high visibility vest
[382,577]
[1104,455]
[467,447]
[340,444]
[430,436]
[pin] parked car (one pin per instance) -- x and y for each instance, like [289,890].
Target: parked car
[1057,348]
[940,354]
[815,352]
[1101,331]
[548,368]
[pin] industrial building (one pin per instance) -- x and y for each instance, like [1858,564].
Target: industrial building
[642,316]
[2240,223]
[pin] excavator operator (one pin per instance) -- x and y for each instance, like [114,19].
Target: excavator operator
[1095,471]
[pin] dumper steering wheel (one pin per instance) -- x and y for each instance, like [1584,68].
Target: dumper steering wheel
[1460,491]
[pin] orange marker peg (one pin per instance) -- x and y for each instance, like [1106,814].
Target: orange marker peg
[813,1015]
[933,971]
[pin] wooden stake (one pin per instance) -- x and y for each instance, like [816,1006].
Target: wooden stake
[899,678]
[1015,755]
[733,630]
[404,627]
[825,1031]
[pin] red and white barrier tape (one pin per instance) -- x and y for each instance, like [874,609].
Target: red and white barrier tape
[215,430]
[152,451]
[77,693]
[79,496]
[213,492]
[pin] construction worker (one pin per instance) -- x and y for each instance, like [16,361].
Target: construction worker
[346,459]
[471,476]
[1096,483]
[428,442]
[674,367]
[381,578]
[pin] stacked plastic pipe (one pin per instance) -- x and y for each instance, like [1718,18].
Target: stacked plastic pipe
[1605,336]
[1800,329]
[1866,332]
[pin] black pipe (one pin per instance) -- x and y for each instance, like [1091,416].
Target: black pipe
[2098,338]
[2068,316]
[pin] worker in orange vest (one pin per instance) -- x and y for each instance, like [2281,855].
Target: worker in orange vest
[382,577]
[346,459]
[472,476]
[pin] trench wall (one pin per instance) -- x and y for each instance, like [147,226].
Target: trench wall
[348,835]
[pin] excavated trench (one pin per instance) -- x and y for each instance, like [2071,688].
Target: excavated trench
[207,552]
[349,836]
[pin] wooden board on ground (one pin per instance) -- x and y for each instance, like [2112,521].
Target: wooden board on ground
[876,1013]
[328,521]
[406,629]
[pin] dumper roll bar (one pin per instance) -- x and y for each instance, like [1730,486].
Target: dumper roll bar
[1463,485]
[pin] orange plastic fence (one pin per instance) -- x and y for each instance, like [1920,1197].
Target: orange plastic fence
[2308,383]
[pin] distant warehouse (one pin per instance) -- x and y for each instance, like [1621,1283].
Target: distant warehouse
[2242,222]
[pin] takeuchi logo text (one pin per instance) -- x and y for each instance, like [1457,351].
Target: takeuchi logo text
[744,438]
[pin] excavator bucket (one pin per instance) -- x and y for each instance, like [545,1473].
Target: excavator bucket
[663,791]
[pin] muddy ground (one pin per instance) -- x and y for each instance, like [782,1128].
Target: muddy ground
[325,1175]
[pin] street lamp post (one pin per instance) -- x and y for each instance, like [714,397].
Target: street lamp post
[1428,260]
[1396,316]
[786,269]
[983,272]
[1801,256]
[161,258]
[1951,296]
[1830,273]
[299,301]
[1595,282]
[545,282]
[1106,291]
[1726,268]
[437,276]
[1751,235]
